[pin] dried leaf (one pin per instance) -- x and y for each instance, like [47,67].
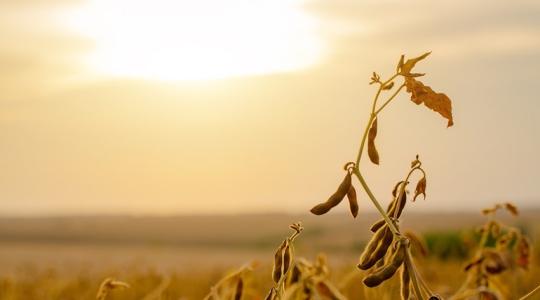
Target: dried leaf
[494,263]
[372,150]
[400,63]
[407,67]
[523,249]
[353,202]
[511,208]
[438,102]
[420,188]
[327,291]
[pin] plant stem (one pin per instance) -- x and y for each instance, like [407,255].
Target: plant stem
[531,293]
[412,275]
[373,115]
[387,219]
[389,99]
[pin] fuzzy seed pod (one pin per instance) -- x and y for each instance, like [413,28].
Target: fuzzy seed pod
[371,246]
[239,289]
[335,199]
[278,262]
[388,270]
[372,150]
[353,202]
[377,225]
[287,256]
[380,251]
[494,262]
[405,283]
[403,200]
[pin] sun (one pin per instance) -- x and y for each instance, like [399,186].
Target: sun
[194,40]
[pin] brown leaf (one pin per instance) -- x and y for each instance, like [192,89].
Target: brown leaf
[494,262]
[420,188]
[327,291]
[438,102]
[511,208]
[372,150]
[400,63]
[523,249]
[353,202]
[407,67]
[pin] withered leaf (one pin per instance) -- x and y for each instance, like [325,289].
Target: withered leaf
[372,150]
[353,202]
[494,262]
[511,208]
[420,188]
[327,291]
[407,67]
[438,102]
[400,63]
[523,249]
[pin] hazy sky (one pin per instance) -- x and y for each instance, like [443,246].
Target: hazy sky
[236,106]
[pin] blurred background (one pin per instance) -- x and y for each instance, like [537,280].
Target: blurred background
[142,139]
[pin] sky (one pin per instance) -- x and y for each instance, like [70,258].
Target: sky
[139,107]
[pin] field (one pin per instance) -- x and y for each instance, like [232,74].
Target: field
[182,257]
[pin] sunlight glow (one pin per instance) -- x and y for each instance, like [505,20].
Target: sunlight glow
[192,40]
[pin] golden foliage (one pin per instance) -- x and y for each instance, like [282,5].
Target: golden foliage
[420,188]
[438,102]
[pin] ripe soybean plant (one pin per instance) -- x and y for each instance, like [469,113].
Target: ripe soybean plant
[389,249]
